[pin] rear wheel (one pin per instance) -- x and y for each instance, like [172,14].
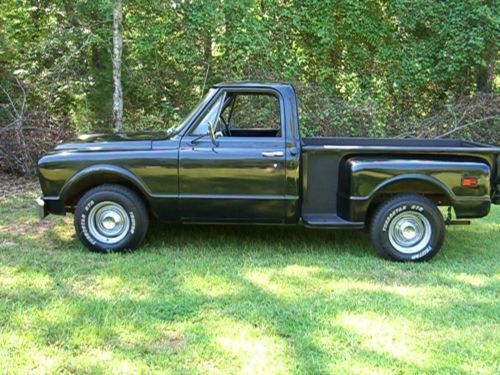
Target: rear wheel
[111,218]
[407,228]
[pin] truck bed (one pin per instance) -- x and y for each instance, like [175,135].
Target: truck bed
[324,173]
[391,142]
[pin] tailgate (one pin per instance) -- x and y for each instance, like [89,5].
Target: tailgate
[495,196]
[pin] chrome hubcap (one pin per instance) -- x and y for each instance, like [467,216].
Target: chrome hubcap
[108,222]
[409,232]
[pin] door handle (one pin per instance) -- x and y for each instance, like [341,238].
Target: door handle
[272,154]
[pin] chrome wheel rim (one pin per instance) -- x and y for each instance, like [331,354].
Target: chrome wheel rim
[410,232]
[108,222]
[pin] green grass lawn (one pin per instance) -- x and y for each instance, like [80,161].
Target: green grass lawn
[231,299]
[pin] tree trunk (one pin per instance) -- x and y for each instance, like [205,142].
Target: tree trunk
[117,62]
[485,74]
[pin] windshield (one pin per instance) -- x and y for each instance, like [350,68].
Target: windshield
[202,103]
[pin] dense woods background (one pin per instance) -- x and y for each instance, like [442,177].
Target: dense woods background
[362,67]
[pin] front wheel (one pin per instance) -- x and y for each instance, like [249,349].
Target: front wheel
[111,218]
[407,228]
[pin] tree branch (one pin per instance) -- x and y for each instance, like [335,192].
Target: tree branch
[467,125]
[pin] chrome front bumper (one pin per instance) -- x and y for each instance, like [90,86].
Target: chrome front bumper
[41,208]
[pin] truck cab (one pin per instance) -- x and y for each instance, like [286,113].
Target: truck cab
[248,170]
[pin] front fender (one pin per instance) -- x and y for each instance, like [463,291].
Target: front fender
[100,174]
[65,192]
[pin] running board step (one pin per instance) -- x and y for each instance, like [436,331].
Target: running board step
[457,222]
[329,221]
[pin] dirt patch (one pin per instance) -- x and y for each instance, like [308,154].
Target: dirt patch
[11,185]
[169,341]
[20,229]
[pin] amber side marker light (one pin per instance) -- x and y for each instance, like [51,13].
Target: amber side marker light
[469,182]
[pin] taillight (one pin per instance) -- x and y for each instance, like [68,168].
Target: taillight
[469,182]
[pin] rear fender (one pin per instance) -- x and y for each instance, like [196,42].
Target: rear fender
[409,181]
[369,178]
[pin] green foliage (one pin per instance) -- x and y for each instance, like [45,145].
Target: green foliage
[394,62]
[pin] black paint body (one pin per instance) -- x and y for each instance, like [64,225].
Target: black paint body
[321,182]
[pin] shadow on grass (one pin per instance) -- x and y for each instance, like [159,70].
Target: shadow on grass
[337,252]
[313,337]
[256,237]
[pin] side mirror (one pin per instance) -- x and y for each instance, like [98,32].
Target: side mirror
[213,133]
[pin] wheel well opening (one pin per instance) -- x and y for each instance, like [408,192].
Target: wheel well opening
[91,182]
[420,187]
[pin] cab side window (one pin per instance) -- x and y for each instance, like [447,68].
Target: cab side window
[242,115]
[253,115]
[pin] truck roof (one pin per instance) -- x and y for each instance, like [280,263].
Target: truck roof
[253,84]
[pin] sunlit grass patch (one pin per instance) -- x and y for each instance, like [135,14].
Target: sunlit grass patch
[395,337]
[252,349]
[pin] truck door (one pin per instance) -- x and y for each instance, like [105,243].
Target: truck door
[240,176]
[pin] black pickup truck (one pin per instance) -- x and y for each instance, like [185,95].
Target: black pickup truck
[238,157]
